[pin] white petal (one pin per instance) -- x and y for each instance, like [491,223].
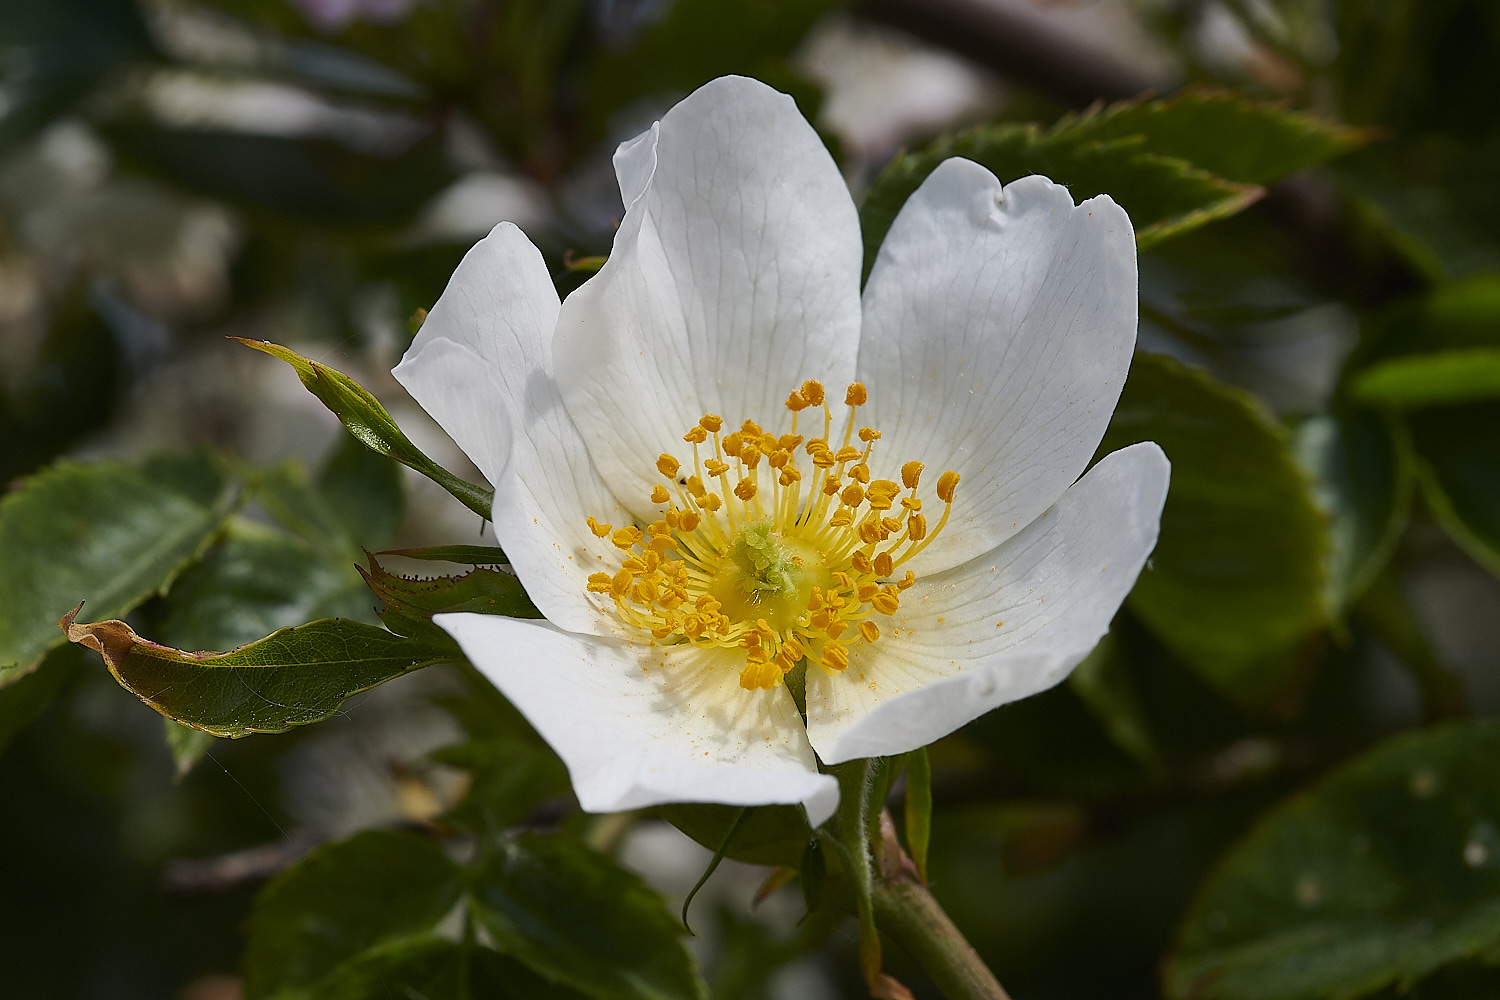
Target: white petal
[1000,627]
[734,277]
[643,725]
[481,365]
[998,328]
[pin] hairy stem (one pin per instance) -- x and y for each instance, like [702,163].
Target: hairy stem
[906,911]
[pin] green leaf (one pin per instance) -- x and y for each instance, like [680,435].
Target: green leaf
[1424,379]
[474,555]
[364,491]
[421,968]
[367,420]
[342,900]
[188,746]
[433,968]
[24,700]
[1103,683]
[1238,576]
[575,917]
[1386,871]
[290,678]
[1422,224]
[256,580]
[511,777]
[1459,471]
[1362,473]
[1164,196]
[1173,164]
[1461,316]
[107,532]
[1234,136]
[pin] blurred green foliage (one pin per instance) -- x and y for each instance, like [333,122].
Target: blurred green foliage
[1212,806]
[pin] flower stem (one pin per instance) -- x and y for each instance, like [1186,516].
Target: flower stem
[906,911]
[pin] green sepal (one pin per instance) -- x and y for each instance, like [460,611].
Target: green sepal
[918,812]
[368,421]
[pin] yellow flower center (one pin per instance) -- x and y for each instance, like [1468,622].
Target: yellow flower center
[750,555]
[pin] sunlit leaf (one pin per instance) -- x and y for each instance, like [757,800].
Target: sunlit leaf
[108,532]
[1424,379]
[1234,136]
[290,678]
[1164,196]
[255,581]
[1172,164]
[1387,870]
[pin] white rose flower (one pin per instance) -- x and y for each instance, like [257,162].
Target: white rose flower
[694,518]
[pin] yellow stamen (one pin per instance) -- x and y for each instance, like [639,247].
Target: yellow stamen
[762,572]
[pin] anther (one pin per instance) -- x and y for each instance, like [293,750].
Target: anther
[868,434]
[599,530]
[626,537]
[711,422]
[659,494]
[856,394]
[848,453]
[812,391]
[835,657]
[667,466]
[911,472]
[853,495]
[947,483]
[696,436]
[869,630]
[695,485]
[884,564]
[744,489]
[796,402]
[916,527]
